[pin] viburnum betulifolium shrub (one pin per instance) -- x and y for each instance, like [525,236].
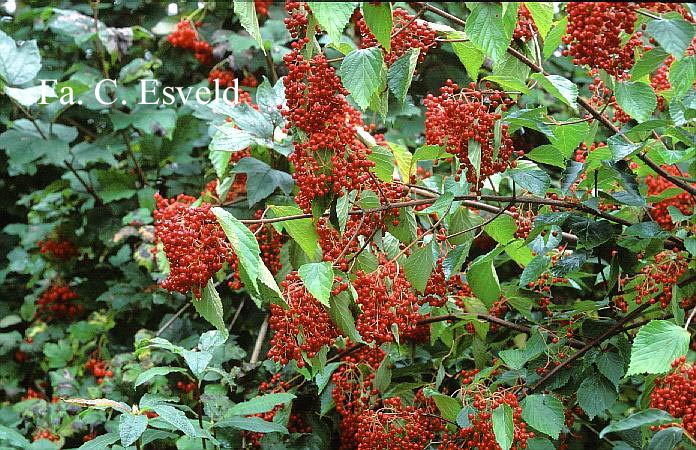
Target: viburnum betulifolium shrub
[347,225]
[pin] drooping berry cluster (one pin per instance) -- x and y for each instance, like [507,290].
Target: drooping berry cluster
[304,327]
[396,426]
[45,434]
[249,80]
[464,122]
[186,36]
[602,96]
[386,299]
[665,7]
[676,394]
[58,249]
[261,6]
[526,28]
[661,277]
[58,302]
[595,35]
[186,387]
[480,433]
[407,33]
[193,240]
[524,222]
[225,78]
[660,210]
[98,369]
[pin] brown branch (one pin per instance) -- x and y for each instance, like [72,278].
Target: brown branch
[88,187]
[259,341]
[131,153]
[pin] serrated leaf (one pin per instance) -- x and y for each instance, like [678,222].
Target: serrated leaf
[243,243]
[19,63]
[561,88]
[656,346]
[246,11]
[131,427]
[155,371]
[673,35]
[339,312]
[682,74]
[596,394]
[638,100]
[176,418]
[542,13]
[301,230]
[318,279]
[544,412]
[400,74]
[384,163]
[639,419]
[470,56]
[255,424]
[535,181]
[547,154]
[378,18]
[363,74]
[486,29]
[260,404]
[209,306]
[554,37]
[648,63]
[503,426]
[418,267]
[333,17]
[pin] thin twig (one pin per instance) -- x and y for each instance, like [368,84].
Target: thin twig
[259,341]
[131,153]
[171,320]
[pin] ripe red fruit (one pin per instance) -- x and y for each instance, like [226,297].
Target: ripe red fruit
[58,302]
[676,394]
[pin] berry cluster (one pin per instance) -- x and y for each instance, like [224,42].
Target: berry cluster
[249,80]
[676,394]
[58,249]
[464,121]
[602,95]
[45,434]
[526,28]
[595,35]
[305,327]
[225,78]
[261,6]
[185,387]
[98,369]
[193,240]
[660,210]
[57,302]
[396,426]
[408,33]
[33,394]
[386,299]
[661,276]
[524,222]
[185,36]
[480,433]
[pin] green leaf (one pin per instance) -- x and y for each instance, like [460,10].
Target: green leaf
[673,35]
[656,346]
[378,18]
[418,267]
[229,138]
[197,361]
[535,181]
[682,74]
[98,443]
[441,205]
[28,96]
[255,424]
[621,148]
[246,11]
[260,404]
[19,64]
[666,439]
[448,406]
[509,83]
[596,394]
[339,312]
[301,230]
[131,427]
[403,159]
[363,74]
[175,417]
[474,155]
[243,243]
[455,259]
[648,63]
[502,229]
[483,279]
[503,427]
[611,365]
[567,137]
[383,375]
[544,412]
[547,154]
[639,419]
[318,279]
[590,232]
[542,13]
[561,88]
[534,269]
[553,39]
[210,308]
[333,17]
[384,163]
[469,55]
[486,29]
[638,100]
[155,371]
[400,74]
[262,179]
